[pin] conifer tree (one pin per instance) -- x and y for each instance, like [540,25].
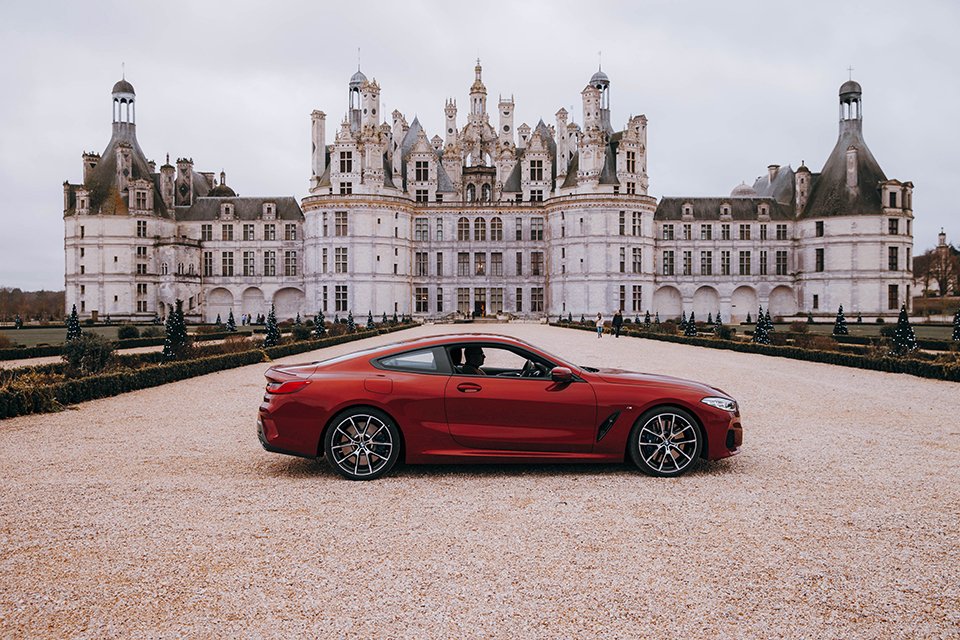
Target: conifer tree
[657,319]
[297,322]
[646,318]
[769,322]
[370,325]
[319,326]
[231,322]
[717,325]
[710,318]
[760,333]
[749,321]
[351,325]
[683,321]
[570,317]
[219,322]
[272,338]
[73,325]
[395,319]
[336,318]
[691,328]
[840,324]
[176,342]
[582,319]
[809,317]
[904,340]
[956,326]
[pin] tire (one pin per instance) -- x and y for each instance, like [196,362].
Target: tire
[666,442]
[362,443]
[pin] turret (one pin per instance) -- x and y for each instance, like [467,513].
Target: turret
[167,183]
[802,179]
[184,194]
[370,104]
[478,96]
[318,158]
[124,107]
[563,144]
[601,83]
[450,111]
[851,106]
[90,162]
[357,80]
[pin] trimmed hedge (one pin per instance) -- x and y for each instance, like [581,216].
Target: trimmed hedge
[911,366]
[40,399]
[24,353]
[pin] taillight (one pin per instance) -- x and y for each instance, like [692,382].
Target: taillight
[290,386]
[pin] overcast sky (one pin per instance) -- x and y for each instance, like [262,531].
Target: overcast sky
[728,87]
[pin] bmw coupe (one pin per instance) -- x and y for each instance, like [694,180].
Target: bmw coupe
[482,398]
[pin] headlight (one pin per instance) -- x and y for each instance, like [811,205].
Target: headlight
[724,404]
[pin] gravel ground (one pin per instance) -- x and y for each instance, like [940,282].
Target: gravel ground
[157,514]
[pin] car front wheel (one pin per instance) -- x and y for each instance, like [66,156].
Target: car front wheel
[666,442]
[362,443]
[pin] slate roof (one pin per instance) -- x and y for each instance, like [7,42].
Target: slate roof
[102,183]
[208,209]
[741,209]
[782,187]
[830,196]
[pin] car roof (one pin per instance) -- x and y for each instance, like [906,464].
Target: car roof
[425,342]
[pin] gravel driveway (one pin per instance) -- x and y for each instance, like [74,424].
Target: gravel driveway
[157,514]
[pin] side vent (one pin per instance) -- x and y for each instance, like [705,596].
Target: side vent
[606,425]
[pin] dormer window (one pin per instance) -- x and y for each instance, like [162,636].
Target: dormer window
[269,211]
[725,210]
[763,210]
[226,211]
[687,211]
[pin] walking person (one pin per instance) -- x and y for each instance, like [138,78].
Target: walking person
[599,326]
[617,322]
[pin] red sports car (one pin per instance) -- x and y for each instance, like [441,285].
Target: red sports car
[489,399]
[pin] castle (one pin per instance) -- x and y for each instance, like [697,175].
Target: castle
[486,220]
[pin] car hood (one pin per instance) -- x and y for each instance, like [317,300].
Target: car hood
[622,376]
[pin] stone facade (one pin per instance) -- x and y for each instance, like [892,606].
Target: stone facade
[486,220]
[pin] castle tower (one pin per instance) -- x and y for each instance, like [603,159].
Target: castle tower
[478,96]
[563,145]
[370,104]
[450,111]
[507,107]
[167,183]
[124,106]
[601,83]
[357,81]
[318,158]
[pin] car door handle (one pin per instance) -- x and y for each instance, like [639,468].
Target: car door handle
[468,387]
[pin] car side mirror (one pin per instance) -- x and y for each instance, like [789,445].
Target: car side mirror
[561,374]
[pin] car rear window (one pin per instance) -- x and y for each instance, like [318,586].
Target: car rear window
[423,360]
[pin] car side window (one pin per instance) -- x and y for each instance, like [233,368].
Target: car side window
[420,361]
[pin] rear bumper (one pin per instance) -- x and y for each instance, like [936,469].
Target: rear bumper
[262,436]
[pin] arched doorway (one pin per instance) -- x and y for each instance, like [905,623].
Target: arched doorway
[783,301]
[706,301]
[252,302]
[288,302]
[742,302]
[667,302]
[219,302]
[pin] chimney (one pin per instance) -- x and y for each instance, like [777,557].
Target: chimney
[772,171]
[851,167]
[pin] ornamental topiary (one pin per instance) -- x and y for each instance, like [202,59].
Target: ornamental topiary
[760,333]
[73,325]
[904,340]
[319,326]
[176,345]
[231,322]
[840,325]
[351,325]
[717,326]
[370,324]
[691,327]
[87,354]
[956,326]
[272,338]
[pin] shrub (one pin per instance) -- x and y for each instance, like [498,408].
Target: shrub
[88,354]
[5,342]
[301,332]
[151,332]
[127,331]
[235,344]
[778,339]
[337,329]
[799,327]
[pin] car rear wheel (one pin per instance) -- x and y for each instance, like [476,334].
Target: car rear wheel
[666,442]
[362,443]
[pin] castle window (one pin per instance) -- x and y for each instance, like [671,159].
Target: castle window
[819,260]
[226,260]
[819,228]
[688,263]
[340,259]
[893,258]
[519,299]
[668,232]
[637,259]
[463,230]
[816,301]
[744,232]
[463,264]
[269,211]
[687,211]
[781,263]
[439,263]
[324,297]
[471,192]
[763,232]
[536,299]
[763,263]
[631,188]
[289,232]
[82,251]
[893,198]
[536,228]
[496,300]
[724,263]
[439,229]
[421,171]
[706,263]
[725,232]
[269,232]
[141,228]
[141,200]
[496,264]
[346,162]
[623,223]
[485,193]
[519,263]
[207,263]
[340,223]
[289,263]
[226,232]
[269,263]
[480,263]
[893,296]
[637,223]
[637,297]
[422,195]
[631,163]
[687,231]
[248,232]
[82,231]
[226,211]
[420,264]
[668,266]
[323,260]
[340,297]
[536,171]
[420,231]
[536,195]
[164,268]
[781,232]
[206,232]
[706,232]
[439,199]
[519,226]
[479,229]
[421,298]
[496,229]
[248,263]
[623,259]
[346,188]
[893,226]
[725,210]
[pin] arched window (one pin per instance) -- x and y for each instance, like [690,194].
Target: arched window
[480,229]
[485,193]
[463,230]
[496,229]
[471,193]
[163,268]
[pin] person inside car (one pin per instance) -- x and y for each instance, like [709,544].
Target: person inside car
[475,358]
[456,359]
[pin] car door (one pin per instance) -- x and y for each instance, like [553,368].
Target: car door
[507,412]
